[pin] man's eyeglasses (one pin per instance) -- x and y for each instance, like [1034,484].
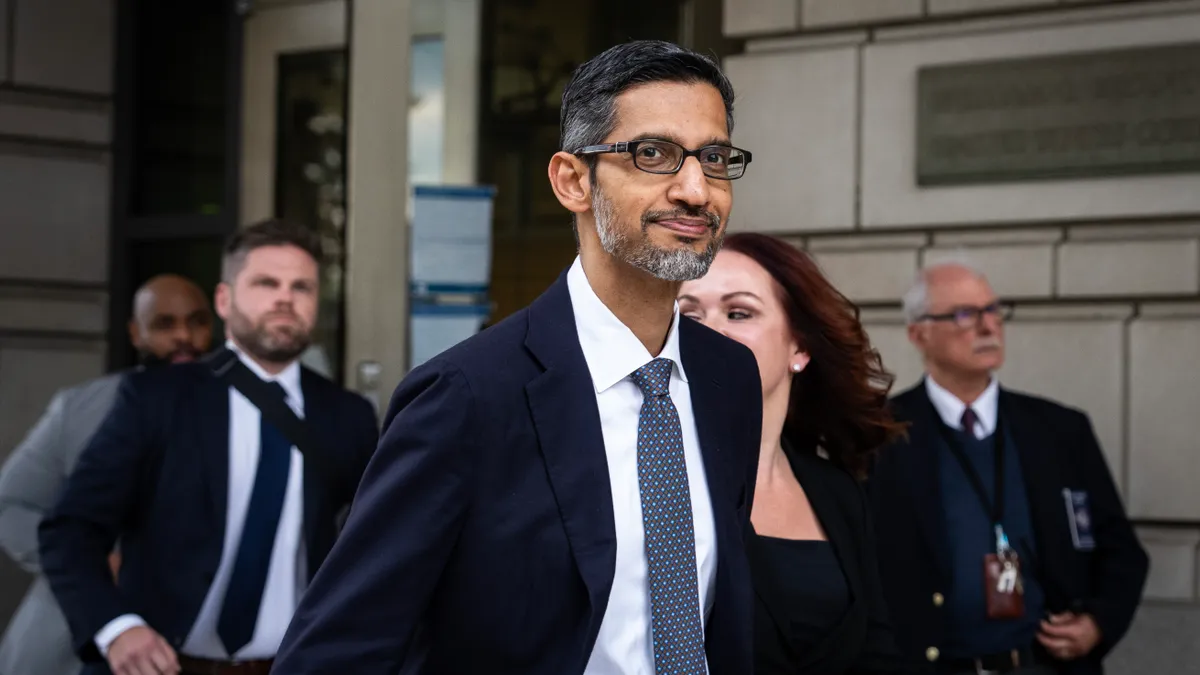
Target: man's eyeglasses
[665,157]
[969,317]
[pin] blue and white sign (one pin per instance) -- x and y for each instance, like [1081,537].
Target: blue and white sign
[451,263]
[436,328]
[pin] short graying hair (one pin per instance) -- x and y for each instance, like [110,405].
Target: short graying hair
[588,113]
[916,298]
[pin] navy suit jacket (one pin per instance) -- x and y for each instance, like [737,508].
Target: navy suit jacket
[482,539]
[156,477]
[1058,450]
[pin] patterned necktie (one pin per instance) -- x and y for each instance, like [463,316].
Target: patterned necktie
[243,596]
[678,636]
[969,420]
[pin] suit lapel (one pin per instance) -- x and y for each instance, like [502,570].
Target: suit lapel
[840,536]
[1041,476]
[924,475]
[725,471]
[562,404]
[318,417]
[708,401]
[825,507]
[214,444]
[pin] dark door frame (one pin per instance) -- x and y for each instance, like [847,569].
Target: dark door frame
[127,229]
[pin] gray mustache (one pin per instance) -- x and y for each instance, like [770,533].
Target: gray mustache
[987,343]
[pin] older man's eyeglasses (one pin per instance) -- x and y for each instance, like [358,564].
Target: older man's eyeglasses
[969,317]
[665,157]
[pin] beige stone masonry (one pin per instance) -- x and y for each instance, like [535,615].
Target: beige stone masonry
[890,196]
[867,242]
[937,7]
[1164,398]
[64,44]
[826,13]
[68,242]
[990,236]
[1172,562]
[1076,361]
[752,17]
[54,118]
[1023,271]
[870,276]
[797,181]
[53,310]
[1129,268]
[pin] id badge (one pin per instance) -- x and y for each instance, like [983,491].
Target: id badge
[1004,589]
[1079,515]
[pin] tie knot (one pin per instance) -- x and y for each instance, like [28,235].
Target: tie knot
[277,389]
[969,419]
[654,378]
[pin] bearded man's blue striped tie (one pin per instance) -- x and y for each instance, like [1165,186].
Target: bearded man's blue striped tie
[667,518]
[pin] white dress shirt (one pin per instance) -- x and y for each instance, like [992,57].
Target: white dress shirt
[613,352]
[950,408]
[286,576]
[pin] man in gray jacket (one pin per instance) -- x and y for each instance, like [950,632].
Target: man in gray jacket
[172,323]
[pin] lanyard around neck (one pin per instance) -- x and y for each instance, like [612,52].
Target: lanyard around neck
[994,508]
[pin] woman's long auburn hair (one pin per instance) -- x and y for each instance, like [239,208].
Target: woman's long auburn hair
[839,402]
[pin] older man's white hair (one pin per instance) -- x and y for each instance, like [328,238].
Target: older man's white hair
[916,298]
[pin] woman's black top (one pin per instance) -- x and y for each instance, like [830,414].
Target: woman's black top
[819,606]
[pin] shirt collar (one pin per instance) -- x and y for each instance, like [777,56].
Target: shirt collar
[611,350]
[288,378]
[950,408]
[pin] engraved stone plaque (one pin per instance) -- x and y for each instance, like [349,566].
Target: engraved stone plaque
[1114,112]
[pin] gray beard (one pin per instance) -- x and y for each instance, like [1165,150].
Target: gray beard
[668,265]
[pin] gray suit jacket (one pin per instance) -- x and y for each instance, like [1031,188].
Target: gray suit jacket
[37,641]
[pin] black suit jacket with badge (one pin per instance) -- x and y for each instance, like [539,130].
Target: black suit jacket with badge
[1058,451]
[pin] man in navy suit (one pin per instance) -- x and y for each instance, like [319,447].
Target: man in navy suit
[567,492]
[221,519]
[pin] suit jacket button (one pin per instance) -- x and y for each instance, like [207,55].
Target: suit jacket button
[938,599]
[932,654]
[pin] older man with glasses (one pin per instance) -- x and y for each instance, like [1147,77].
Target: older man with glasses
[1004,546]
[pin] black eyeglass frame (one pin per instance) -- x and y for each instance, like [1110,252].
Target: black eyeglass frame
[632,146]
[969,317]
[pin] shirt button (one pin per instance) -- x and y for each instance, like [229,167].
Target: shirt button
[938,599]
[932,654]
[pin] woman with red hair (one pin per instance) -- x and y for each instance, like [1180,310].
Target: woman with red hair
[825,411]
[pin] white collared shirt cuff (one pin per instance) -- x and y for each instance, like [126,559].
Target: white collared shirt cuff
[113,630]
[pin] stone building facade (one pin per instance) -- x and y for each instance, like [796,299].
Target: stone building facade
[56,85]
[1105,271]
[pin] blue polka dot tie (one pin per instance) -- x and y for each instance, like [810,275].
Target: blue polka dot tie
[667,519]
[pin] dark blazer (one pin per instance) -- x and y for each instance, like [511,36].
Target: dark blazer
[1058,450]
[156,476]
[482,538]
[862,641]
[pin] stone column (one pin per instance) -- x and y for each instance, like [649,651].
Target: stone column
[377,168]
[461,33]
